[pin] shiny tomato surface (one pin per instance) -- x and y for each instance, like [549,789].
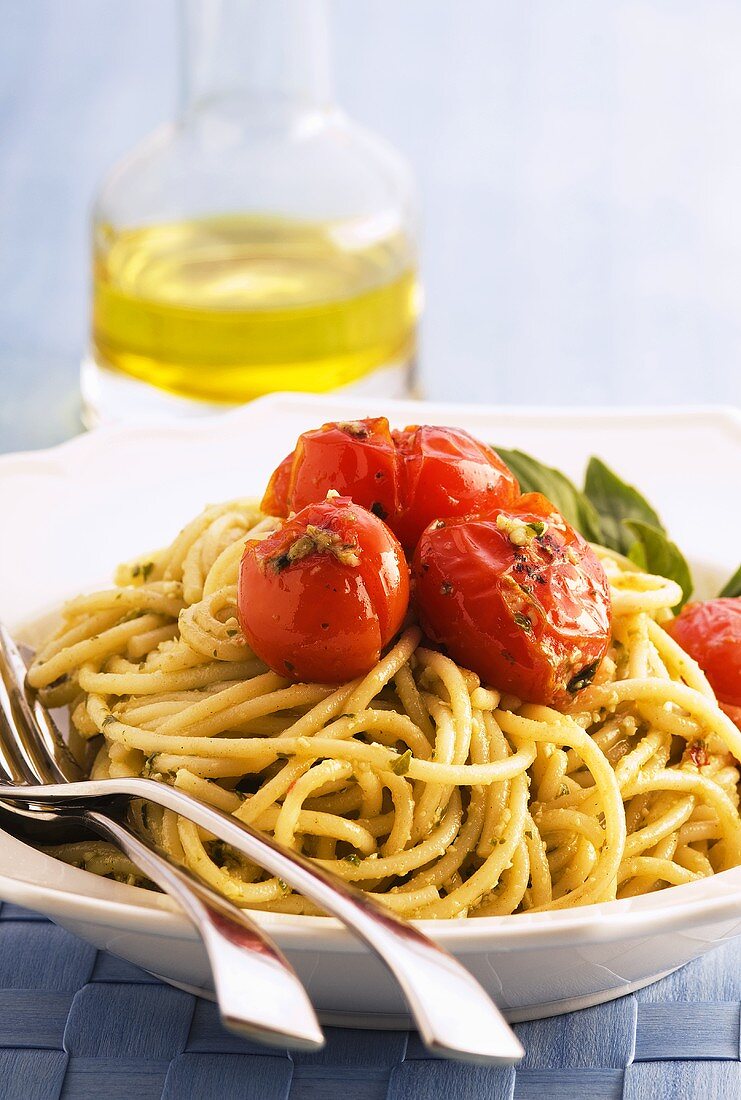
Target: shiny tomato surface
[711,633]
[356,458]
[444,473]
[319,599]
[407,478]
[518,597]
[275,501]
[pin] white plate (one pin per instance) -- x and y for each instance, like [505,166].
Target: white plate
[70,514]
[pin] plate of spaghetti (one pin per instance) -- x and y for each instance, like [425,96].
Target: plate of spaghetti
[457,656]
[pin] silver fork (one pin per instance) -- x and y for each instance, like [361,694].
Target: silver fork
[257,990]
[454,1015]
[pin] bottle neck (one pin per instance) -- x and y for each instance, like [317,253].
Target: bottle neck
[267,56]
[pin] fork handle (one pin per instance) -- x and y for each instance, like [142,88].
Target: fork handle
[258,992]
[453,1013]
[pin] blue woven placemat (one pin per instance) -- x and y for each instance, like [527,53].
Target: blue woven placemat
[80,1024]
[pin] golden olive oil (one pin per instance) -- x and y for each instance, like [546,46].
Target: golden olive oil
[228,308]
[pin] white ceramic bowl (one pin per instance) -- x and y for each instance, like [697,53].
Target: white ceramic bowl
[70,514]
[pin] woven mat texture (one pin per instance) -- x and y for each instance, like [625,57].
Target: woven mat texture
[80,1024]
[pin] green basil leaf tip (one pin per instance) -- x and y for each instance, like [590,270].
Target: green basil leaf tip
[612,513]
[653,551]
[733,586]
[535,477]
[617,502]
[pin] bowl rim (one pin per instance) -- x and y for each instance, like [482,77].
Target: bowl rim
[709,901]
[726,416]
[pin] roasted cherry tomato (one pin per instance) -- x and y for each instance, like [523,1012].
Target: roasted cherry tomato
[418,475]
[711,633]
[444,473]
[275,501]
[518,597]
[320,598]
[356,458]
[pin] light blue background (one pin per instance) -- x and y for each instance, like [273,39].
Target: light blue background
[580,169]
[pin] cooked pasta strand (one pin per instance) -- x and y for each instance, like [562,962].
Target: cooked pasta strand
[425,787]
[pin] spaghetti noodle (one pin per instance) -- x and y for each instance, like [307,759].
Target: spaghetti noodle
[432,791]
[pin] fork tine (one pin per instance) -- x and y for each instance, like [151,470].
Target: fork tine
[40,753]
[12,763]
[73,754]
[13,758]
[242,956]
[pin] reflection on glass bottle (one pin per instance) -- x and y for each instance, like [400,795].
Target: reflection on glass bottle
[261,243]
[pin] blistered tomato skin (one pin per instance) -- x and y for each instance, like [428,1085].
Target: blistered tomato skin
[354,458]
[445,473]
[711,633]
[518,597]
[319,599]
[407,478]
[275,501]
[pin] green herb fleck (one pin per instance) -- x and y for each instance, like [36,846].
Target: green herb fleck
[142,569]
[401,767]
[583,678]
[524,622]
[538,527]
[218,852]
[352,858]
[130,616]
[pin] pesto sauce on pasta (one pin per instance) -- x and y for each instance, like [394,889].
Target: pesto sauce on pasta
[437,794]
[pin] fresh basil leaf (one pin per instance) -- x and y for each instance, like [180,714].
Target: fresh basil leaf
[616,502]
[733,586]
[534,477]
[653,551]
[612,513]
